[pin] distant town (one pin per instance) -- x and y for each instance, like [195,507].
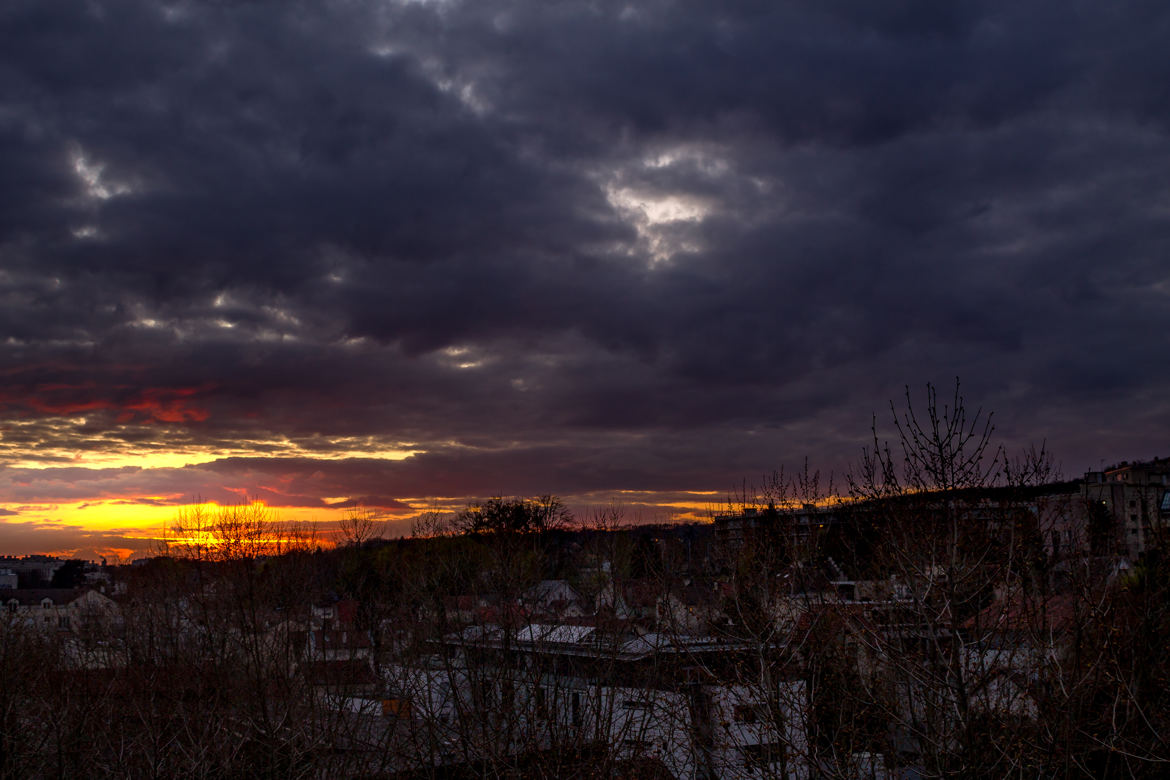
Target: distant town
[977,629]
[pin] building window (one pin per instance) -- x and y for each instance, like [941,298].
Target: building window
[395,708]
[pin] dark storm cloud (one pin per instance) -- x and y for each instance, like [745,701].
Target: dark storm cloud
[302,482]
[569,247]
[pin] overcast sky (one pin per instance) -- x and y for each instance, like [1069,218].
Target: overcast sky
[378,251]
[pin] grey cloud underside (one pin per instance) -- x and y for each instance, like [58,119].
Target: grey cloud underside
[302,482]
[651,245]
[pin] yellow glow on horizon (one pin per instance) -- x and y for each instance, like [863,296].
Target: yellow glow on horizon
[121,528]
[126,529]
[195,456]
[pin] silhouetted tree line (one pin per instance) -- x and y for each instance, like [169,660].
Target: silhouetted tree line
[247,650]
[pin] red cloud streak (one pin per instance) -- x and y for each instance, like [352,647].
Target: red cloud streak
[150,404]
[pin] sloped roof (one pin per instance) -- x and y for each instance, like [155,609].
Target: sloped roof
[1021,612]
[35,596]
[560,634]
[547,590]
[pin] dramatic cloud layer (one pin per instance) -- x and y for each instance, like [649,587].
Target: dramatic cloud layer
[334,252]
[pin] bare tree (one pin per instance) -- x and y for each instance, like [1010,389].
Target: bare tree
[954,533]
[358,525]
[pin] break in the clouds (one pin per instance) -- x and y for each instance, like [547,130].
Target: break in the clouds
[329,252]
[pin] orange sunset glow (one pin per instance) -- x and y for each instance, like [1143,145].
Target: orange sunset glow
[122,529]
[609,253]
[589,388]
[112,520]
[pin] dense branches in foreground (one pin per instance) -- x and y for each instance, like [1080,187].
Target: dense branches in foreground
[958,614]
